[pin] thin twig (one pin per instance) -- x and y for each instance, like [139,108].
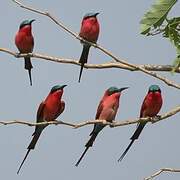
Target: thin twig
[165,80]
[113,124]
[149,67]
[160,171]
[48,15]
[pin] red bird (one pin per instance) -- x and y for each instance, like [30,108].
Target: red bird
[48,110]
[25,43]
[107,110]
[150,108]
[90,32]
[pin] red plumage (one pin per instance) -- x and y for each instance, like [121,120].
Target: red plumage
[48,110]
[90,32]
[90,29]
[25,43]
[24,39]
[151,104]
[150,108]
[107,110]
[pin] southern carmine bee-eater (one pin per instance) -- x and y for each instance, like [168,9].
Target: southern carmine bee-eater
[48,110]
[150,108]
[25,43]
[90,32]
[107,110]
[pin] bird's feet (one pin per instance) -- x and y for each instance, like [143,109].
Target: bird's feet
[112,124]
[56,122]
[17,55]
[156,118]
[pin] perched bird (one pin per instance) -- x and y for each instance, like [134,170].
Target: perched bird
[107,110]
[150,108]
[90,32]
[48,110]
[25,43]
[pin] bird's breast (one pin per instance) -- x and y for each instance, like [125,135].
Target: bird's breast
[90,30]
[52,110]
[153,105]
[109,110]
[24,42]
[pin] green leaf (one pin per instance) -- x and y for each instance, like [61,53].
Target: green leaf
[172,32]
[156,15]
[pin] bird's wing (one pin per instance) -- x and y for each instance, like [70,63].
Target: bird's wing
[62,107]
[39,117]
[99,109]
[143,107]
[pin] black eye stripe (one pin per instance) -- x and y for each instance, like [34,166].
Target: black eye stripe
[155,90]
[22,25]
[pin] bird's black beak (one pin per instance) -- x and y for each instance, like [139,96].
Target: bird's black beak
[63,86]
[30,22]
[122,89]
[96,14]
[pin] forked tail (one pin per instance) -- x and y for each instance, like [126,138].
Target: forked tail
[88,145]
[83,59]
[133,138]
[28,66]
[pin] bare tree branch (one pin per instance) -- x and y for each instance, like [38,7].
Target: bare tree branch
[149,67]
[168,82]
[113,124]
[160,171]
[165,80]
[48,15]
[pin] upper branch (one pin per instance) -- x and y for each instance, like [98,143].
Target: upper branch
[149,67]
[124,62]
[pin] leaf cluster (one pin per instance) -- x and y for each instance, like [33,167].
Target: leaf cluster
[155,21]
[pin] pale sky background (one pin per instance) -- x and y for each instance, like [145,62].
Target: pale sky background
[59,146]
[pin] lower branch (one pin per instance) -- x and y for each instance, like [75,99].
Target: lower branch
[160,171]
[113,124]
